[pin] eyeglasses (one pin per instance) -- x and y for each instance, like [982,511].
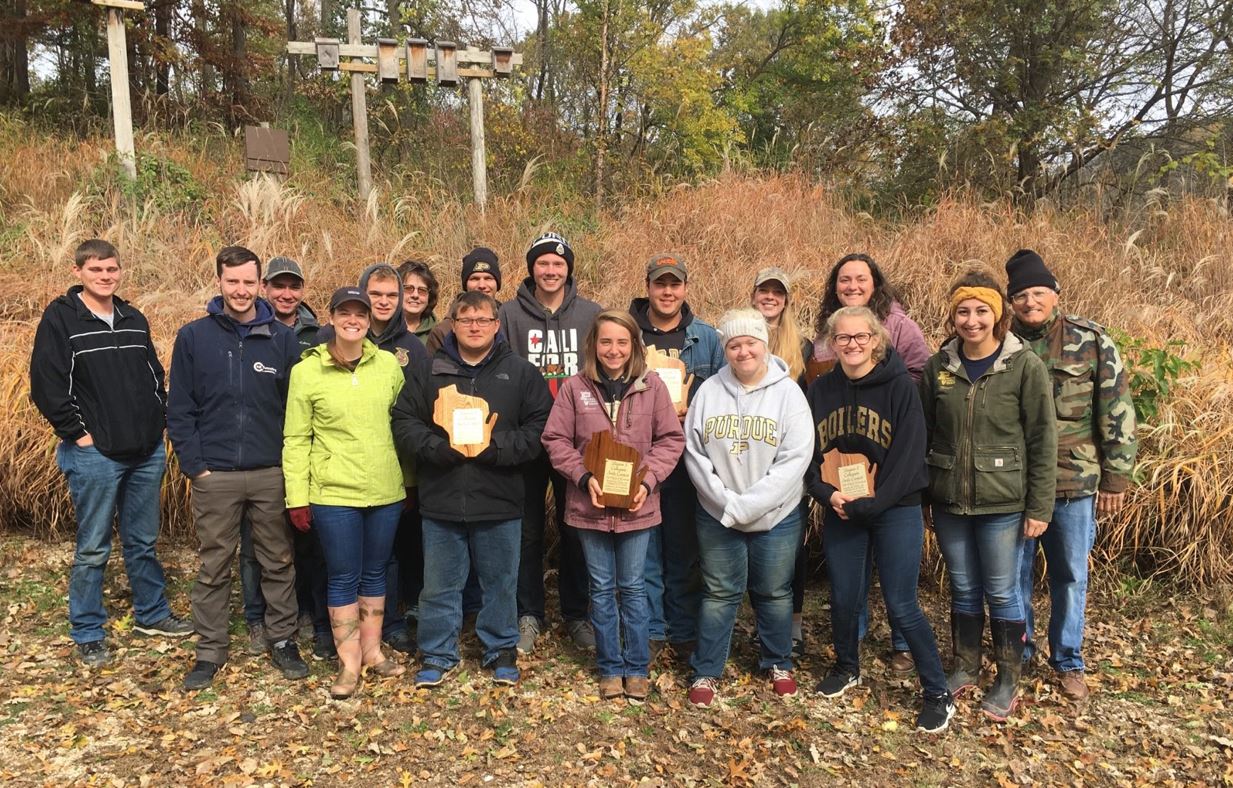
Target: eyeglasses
[1035,294]
[416,290]
[481,322]
[861,339]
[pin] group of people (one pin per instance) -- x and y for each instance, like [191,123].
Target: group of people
[364,506]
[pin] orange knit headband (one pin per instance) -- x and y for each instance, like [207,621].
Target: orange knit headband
[986,295]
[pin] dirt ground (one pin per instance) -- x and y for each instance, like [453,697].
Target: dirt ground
[1161,673]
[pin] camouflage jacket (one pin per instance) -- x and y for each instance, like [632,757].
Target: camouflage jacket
[1095,414]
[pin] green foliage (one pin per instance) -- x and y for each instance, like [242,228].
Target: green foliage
[160,182]
[1152,372]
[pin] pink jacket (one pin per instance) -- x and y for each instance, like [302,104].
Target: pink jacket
[646,421]
[906,337]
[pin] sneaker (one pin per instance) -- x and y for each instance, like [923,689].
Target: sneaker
[505,668]
[611,687]
[286,657]
[702,692]
[1073,685]
[901,662]
[400,640]
[94,654]
[935,715]
[430,675]
[171,626]
[528,633]
[257,643]
[836,683]
[323,646]
[782,682]
[581,633]
[637,688]
[201,676]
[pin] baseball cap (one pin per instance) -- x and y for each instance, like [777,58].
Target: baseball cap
[346,295]
[282,265]
[662,264]
[773,274]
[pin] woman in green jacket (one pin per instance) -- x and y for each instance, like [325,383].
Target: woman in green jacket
[992,461]
[342,473]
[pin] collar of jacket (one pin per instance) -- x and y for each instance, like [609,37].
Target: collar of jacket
[1033,334]
[75,301]
[1010,346]
[322,352]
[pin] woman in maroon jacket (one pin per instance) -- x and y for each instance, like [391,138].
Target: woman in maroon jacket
[615,391]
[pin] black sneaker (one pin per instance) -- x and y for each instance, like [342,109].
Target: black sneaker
[401,640]
[836,683]
[323,646]
[201,676]
[935,714]
[171,626]
[94,654]
[286,658]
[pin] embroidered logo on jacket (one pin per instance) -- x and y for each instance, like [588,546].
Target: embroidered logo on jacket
[259,367]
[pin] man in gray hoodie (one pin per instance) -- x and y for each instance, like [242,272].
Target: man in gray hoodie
[545,324]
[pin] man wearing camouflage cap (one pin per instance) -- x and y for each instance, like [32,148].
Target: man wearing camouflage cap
[1096,453]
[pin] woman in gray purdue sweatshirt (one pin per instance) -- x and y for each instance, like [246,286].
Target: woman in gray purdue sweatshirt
[748,442]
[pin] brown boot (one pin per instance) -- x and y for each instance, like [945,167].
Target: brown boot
[372,615]
[610,687]
[345,622]
[1073,685]
[637,688]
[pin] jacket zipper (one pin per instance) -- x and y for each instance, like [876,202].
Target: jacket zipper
[969,473]
[240,441]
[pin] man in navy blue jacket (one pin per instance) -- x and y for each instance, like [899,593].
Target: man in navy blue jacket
[229,374]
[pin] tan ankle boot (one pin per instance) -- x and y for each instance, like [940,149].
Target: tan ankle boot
[372,615]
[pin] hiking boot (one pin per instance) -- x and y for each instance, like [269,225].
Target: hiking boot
[286,657]
[702,691]
[505,668]
[257,643]
[528,633]
[637,688]
[171,626]
[1073,684]
[901,663]
[935,714]
[1003,696]
[94,654]
[965,633]
[782,682]
[430,676]
[400,640]
[323,646]
[611,687]
[581,633]
[836,683]
[201,676]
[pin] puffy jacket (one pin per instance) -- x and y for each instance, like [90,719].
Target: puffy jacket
[87,376]
[646,420]
[338,449]
[474,490]
[906,337]
[992,443]
[229,390]
[551,341]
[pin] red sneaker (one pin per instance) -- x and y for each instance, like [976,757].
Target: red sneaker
[702,691]
[783,683]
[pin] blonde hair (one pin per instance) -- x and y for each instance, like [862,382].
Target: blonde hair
[635,367]
[786,337]
[875,327]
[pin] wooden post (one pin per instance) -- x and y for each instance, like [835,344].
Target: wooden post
[479,161]
[359,111]
[121,106]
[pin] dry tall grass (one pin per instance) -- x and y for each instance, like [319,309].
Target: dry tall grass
[1160,276]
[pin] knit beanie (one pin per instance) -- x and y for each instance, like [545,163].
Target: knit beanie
[481,259]
[550,243]
[744,322]
[1026,269]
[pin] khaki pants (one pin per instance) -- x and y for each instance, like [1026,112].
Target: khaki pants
[219,501]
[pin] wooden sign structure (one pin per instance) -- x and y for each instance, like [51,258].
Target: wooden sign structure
[117,59]
[465,419]
[617,468]
[418,61]
[673,373]
[850,473]
[267,150]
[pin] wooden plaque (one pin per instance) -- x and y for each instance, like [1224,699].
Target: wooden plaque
[465,419]
[851,474]
[673,373]
[267,150]
[816,369]
[617,468]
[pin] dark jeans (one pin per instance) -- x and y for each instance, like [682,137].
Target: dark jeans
[572,577]
[895,538]
[404,575]
[357,543]
[673,577]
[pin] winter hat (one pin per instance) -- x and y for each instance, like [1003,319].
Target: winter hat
[481,259]
[744,322]
[550,243]
[1026,269]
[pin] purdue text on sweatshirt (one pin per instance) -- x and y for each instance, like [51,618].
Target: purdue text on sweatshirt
[879,416]
[551,341]
[747,451]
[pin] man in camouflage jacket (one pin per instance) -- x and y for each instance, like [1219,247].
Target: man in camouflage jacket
[1096,453]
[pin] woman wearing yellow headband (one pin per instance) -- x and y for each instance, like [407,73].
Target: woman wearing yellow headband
[992,457]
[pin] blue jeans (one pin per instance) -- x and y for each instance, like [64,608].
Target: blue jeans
[982,554]
[674,587]
[1066,542]
[615,563]
[250,577]
[356,542]
[101,488]
[895,538]
[450,551]
[732,561]
[898,641]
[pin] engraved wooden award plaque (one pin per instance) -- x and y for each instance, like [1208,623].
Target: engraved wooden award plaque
[672,372]
[465,419]
[851,474]
[616,467]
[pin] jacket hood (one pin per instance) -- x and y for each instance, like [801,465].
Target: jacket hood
[776,370]
[398,323]
[449,346]
[526,298]
[264,316]
[1010,346]
[640,308]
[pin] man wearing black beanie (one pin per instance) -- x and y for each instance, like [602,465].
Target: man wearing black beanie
[481,263]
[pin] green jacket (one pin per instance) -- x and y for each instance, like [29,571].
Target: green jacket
[1095,413]
[993,443]
[338,449]
[427,323]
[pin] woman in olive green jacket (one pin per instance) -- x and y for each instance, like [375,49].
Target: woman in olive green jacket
[342,474]
[992,461]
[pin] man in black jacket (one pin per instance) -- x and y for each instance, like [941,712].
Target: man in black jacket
[94,375]
[229,374]
[472,507]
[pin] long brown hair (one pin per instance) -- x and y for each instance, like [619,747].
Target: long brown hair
[786,339]
[879,302]
[980,277]
[636,366]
